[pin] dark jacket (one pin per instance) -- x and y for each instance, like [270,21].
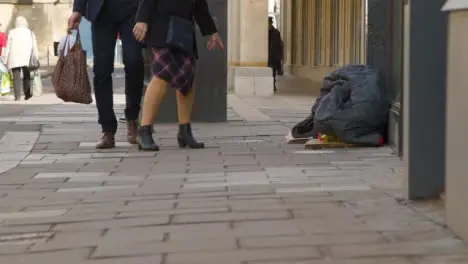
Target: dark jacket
[275,48]
[156,14]
[89,9]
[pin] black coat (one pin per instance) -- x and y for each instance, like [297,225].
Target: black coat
[275,48]
[156,14]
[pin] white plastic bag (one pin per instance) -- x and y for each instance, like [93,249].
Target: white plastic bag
[36,83]
[3,67]
[71,41]
[6,84]
[6,81]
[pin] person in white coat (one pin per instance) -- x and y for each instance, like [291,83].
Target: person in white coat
[21,46]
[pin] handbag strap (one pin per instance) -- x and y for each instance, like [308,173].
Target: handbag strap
[194,4]
[32,42]
[67,46]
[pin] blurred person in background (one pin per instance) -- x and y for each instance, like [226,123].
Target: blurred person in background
[3,39]
[275,50]
[21,46]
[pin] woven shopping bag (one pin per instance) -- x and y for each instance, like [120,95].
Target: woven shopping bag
[70,77]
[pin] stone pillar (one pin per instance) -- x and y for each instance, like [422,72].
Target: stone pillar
[424,104]
[457,127]
[6,16]
[250,74]
[286,33]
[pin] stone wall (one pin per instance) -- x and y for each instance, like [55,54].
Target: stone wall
[48,20]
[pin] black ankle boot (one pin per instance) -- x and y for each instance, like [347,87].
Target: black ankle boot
[185,138]
[145,139]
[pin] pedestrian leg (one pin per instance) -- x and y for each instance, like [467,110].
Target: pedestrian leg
[104,37]
[184,110]
[26,83]
[16,72]
[275,71]
[134,77]
[154,96]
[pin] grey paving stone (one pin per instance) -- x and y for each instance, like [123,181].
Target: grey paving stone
[54,185]
[72,257]
[331,188]
[68,241]
[226,217]
[313,240]
[435,247]
[35,214]
[154,259]
[187,176]
[121,248]
[270,255]
[447,259]
[70,175]
[12,230]
[119,144]
[97,198]
[106,179]
[97,188]
[187,204]
[37,162]
[57,220]
[13,248]
[402,260]
[172,212]
[205,185]
[224,193]
[115,223]
[243,168]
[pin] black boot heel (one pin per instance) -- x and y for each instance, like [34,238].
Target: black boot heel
[185,138]
[145,139]
[181,142]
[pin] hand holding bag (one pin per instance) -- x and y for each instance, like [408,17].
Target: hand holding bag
[70,78]
[33,61]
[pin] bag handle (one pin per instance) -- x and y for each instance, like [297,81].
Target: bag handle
[32,42]
[67,47]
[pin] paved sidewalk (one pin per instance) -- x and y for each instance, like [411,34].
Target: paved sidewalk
[248,198]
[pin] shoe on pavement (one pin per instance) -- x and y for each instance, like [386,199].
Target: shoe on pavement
[132,131]
[107,141]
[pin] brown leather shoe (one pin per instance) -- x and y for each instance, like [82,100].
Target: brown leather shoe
[132,131]
[107,141]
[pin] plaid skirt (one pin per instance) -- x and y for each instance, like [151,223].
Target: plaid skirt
[176,68]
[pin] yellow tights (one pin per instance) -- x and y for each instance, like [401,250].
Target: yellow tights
[154,96]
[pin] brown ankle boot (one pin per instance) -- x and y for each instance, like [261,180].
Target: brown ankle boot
[107,141]
[132,131]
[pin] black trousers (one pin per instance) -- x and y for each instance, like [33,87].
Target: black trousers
[104,37]
[18,83]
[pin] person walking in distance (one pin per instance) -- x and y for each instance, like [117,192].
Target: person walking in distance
[168,27]
[275,50]
[109,18]
[21,47]
[3,39]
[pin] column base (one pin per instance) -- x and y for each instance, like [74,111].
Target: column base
[252,81]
